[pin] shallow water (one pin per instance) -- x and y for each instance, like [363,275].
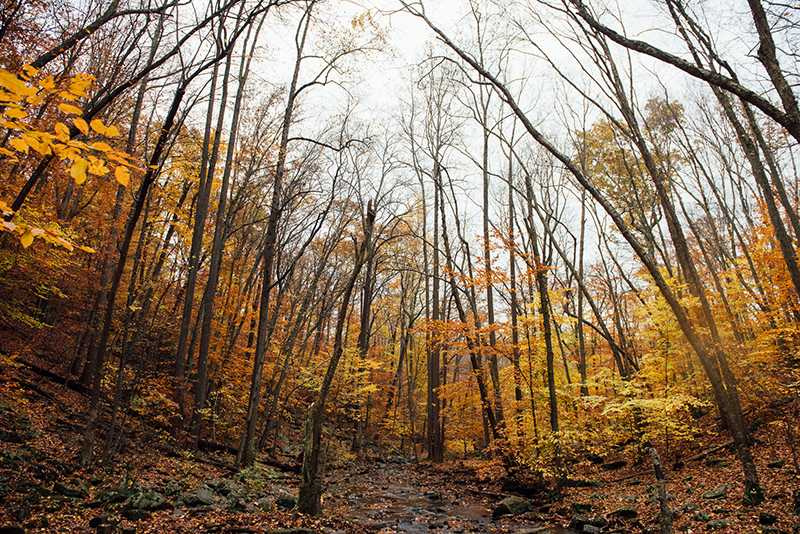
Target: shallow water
[393,498]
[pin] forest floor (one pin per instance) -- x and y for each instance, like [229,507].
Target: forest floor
[159,488]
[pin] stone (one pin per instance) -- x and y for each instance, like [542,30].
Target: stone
[581,508]
[591,529]
[578,521]
[717,493]
[68,491]
[103,519]
[718,523]
[172,487]
[136,515]
[690,507]
[765,518]
[512,506]
[625,513]
[613,466]
[12,529]
[227,488]
[701,516]
[777,464]
[286,500]
[202,496]
[146,500]
[265,504]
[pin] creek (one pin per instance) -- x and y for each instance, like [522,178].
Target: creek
[395,498]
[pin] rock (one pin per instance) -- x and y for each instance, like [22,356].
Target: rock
[579,521]
[103,519]
[765,518]
[690,507]
[701,516]
[172,487]
[292,531]
[777,464]
[581,508]
[136,515]
[202,496]
[613,466]
[68,491]
[625,513]
[591,529]
[12,529]
[264,504]
[718,523]
[595,459]
[717,493]
[146,500]
[227,488]
[512,506]
[286,500]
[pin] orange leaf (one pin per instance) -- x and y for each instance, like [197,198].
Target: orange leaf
[69,108]
[123,175]
[62,131]
[97,126]
[78,171]
[81,125]
[15,113]
[26,239]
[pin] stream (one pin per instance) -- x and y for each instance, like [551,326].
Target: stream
[394,498]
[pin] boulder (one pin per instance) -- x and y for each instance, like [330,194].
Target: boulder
[701,516]
[580,521]
[228,488]
[765,518]
[68,491]
[286,500]
[625,513]
[718,493]
[512,506]
[202,496]
[147,500]
[718,523]
[581,508]
[613,466]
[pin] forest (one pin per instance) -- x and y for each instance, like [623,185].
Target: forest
[378,266]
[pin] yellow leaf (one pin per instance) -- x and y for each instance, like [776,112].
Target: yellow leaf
[15,113]
[103,147]
[41,148]
[36,99]
[6,152]
[30,71]
[67,96]
[62,131]
[48,83]
[123,175]
[90,250]
[8,97]
[26,239]
[14,84]
[78,171]
[112,131]
[19,145]
[81,125]
[97,126]
[98,167]
[69,108]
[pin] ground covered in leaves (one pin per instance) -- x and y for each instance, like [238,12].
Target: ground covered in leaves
[43,490]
